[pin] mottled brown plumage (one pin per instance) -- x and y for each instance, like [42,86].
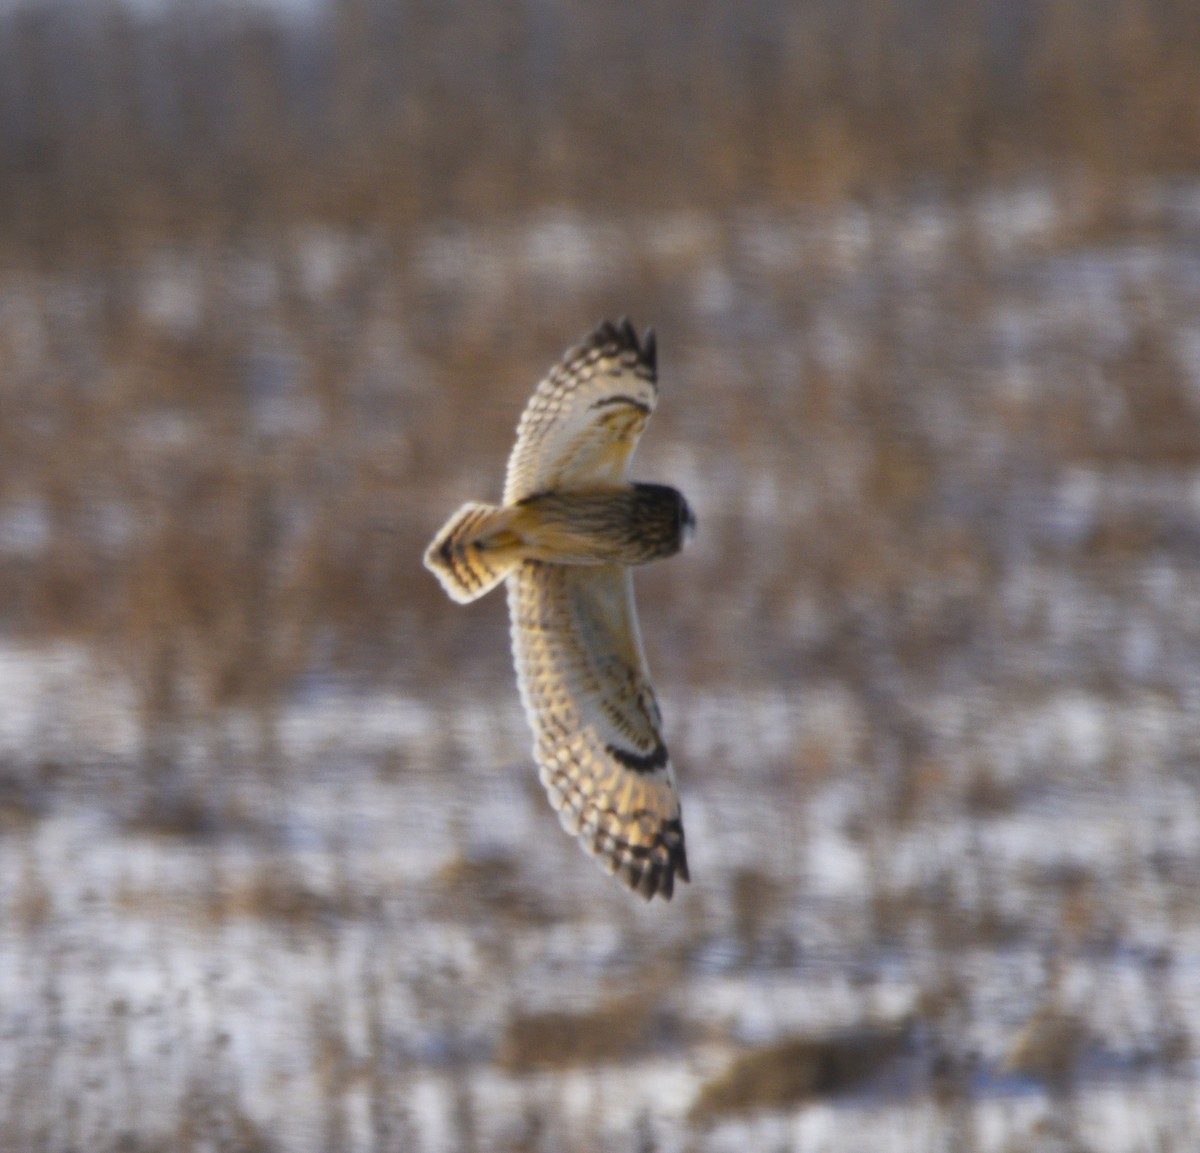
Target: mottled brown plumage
[569,528]
[629,525]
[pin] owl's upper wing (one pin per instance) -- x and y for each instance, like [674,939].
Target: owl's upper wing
[586,691]
[583,421]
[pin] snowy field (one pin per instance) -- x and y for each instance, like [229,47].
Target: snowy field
[930,673]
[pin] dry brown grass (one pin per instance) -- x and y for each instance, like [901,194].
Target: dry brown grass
[623,1029]
[238,532]
[491,887]
[800,1070]
[211,126]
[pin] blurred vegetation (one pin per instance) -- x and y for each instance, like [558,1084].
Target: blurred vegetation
[201,150]
[800,1069]
[210,120]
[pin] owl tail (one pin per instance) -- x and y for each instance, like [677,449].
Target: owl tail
[475,551]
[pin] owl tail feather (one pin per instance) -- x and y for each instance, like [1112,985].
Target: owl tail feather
[475,551]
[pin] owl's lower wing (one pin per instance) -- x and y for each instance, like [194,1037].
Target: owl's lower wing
[584,419]
[596,723]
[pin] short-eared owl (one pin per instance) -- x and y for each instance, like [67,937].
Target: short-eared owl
[567,532]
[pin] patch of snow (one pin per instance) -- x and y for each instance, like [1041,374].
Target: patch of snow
[172,293]
[24,528]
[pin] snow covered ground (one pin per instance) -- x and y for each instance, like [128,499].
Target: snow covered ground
[333,962]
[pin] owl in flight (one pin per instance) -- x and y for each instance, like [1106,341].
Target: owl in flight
[569,529]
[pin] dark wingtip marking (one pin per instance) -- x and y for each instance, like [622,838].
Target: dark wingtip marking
[650,870]
[666,884]
[604,333]
[641,763]
[656,877]
[621,337]
[678,849]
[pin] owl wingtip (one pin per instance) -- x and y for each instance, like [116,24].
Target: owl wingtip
[659,880]
[624,337]
[605,332]
[650,878]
